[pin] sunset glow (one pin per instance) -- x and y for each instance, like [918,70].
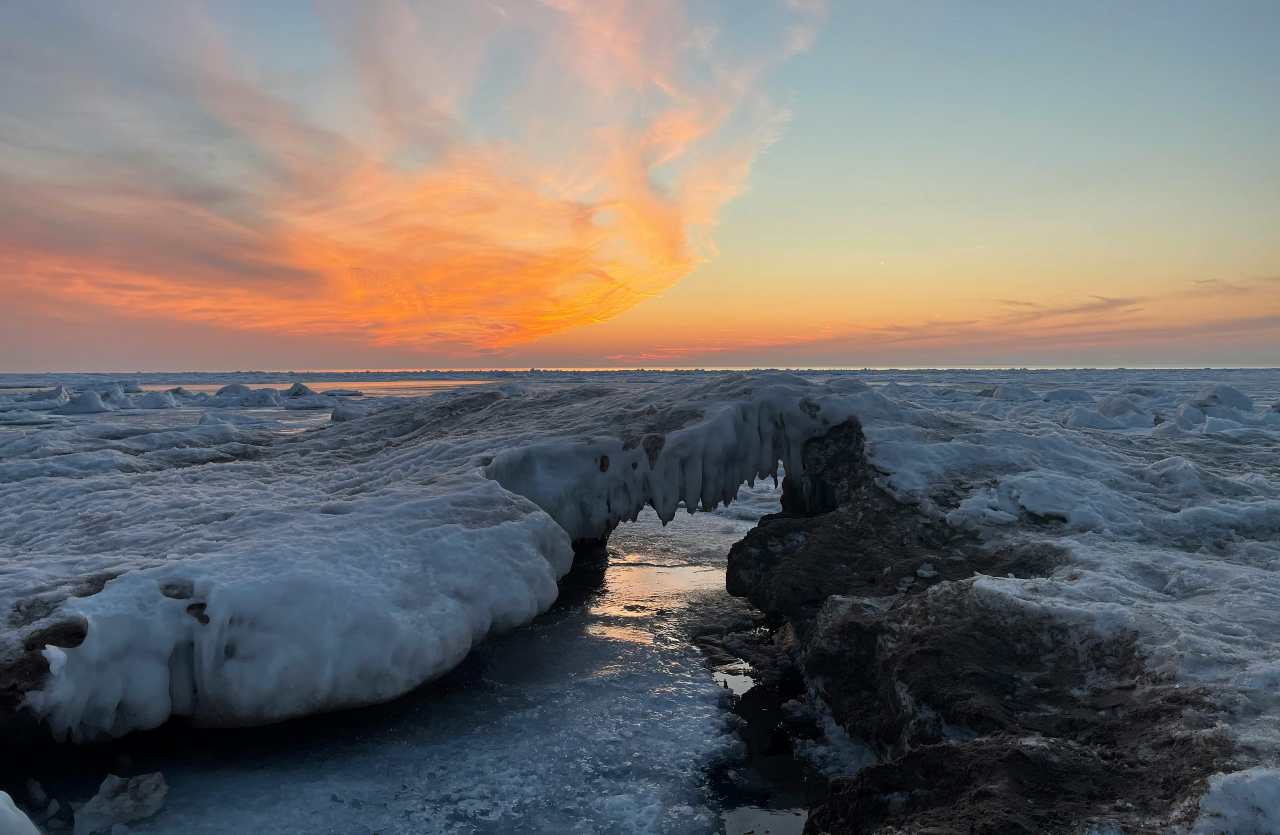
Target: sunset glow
[632,183]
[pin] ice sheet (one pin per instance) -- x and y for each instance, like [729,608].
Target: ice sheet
[387,543]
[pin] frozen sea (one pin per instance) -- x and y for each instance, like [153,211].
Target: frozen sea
[598,717]
[249,548]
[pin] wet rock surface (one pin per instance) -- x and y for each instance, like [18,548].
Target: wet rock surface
[984,718]
[19,676]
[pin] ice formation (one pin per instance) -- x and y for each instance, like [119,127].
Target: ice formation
[90,402]
[254,577]
[12,820]
[120,801]
[239,573]
[1243,803]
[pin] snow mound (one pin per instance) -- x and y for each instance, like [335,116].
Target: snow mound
[1241,803]
[156,400]
[1083,418]
[261,398]
[242,397]
[1118,406]
[349,411]
[1220,394]
[12,820]
[90,402]
[1189,416]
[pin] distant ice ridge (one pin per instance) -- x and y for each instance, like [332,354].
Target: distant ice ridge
[263,576]
[98,397]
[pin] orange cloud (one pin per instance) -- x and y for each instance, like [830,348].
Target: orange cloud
[378,209]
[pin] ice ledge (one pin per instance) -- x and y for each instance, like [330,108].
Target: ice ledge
[592,484]
[352,564]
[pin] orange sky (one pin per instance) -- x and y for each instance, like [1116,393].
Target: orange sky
[610,183]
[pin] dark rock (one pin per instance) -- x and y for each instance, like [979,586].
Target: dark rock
[836,472]
[900,673]
[991,720]
[841,533]
[27,672]
[66,634]
[36,796]
[1012,785]
[984,717]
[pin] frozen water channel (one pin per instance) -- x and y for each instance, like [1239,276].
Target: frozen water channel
[601,716]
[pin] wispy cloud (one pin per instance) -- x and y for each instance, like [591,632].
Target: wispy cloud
[1015,329]
[1220,287]
[430,196]
[1030,312]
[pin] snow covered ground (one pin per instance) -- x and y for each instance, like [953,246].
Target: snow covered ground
[224,564]
[600,717]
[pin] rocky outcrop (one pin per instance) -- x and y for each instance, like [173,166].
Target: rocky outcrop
[991,720]
[839,532]
[983,717]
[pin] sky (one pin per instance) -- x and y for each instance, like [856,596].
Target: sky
[657,183]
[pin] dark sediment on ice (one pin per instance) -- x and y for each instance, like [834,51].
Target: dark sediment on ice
[25,669]
[983,718]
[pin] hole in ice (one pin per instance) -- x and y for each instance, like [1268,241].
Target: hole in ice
[177,589]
